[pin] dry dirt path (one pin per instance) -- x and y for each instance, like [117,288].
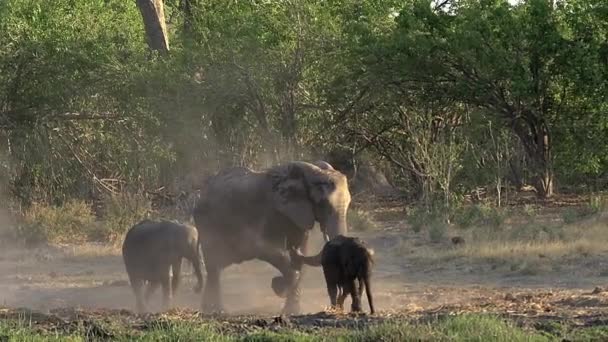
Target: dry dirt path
[90,277]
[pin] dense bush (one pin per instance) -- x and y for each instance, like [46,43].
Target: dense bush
[70,222]
[479,215]
[88,110]
[121,212]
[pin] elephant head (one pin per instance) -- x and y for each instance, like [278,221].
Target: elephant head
[305,193]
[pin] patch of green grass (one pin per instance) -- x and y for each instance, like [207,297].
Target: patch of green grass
[471,327]
[596,205]
[598,333]
[573,215]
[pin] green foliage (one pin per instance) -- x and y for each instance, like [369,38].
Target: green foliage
[361,220]
[457,328]
[573,214]
[479,215]
[437,230]
[418,218]
[596,205]
[453,99]
[71,222]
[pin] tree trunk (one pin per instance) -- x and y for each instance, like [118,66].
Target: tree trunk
[153,14]
[188,17]
[543,163]
[537,143]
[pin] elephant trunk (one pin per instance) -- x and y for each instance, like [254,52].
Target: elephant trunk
[298,258]
[334,225]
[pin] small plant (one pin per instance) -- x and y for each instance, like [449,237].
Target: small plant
[479,215]
[121,212]
[437,230]
[529,212]
[361,220]
[417,218]
[597,204]
[570,215]
[70,222]
[466,216]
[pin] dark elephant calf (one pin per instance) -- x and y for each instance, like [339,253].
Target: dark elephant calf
[347,264]
[151,250]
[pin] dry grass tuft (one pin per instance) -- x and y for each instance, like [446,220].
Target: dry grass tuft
[529,247]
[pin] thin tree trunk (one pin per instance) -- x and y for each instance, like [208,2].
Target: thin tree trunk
[537,143]
[153,14]
[188,16]
[543,164]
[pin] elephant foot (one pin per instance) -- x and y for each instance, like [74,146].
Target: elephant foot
[291,308]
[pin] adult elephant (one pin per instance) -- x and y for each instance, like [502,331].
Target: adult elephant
[244,215]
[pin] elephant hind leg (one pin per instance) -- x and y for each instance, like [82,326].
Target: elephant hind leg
[137,286]
[333,290]
[289,284]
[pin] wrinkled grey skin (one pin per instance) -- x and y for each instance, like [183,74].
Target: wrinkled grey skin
[244,215]
[151,250]
[347,264]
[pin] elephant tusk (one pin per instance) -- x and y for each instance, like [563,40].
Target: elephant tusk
[325,237]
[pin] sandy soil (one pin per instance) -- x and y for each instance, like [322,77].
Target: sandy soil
[91,277]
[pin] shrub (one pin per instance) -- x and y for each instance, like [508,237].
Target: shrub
[121,212]
[70,222]
[417,218]
[361,220]
[479,215]
[571,215]
[437,230]
[596,205]
[529,212]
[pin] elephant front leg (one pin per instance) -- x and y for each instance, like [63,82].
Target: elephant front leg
[212,301]
[294,294]
[286,285]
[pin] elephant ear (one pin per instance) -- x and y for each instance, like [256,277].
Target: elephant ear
[292,200]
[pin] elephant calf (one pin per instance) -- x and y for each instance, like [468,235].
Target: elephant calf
[151,250]
[347,263]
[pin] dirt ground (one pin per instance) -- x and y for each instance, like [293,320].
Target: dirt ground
[91,277]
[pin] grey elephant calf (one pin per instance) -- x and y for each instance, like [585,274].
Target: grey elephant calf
[151,250]
[347,265]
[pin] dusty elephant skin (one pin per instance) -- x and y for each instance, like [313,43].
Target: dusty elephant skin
[151,250]
[347,265]
[244,215]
